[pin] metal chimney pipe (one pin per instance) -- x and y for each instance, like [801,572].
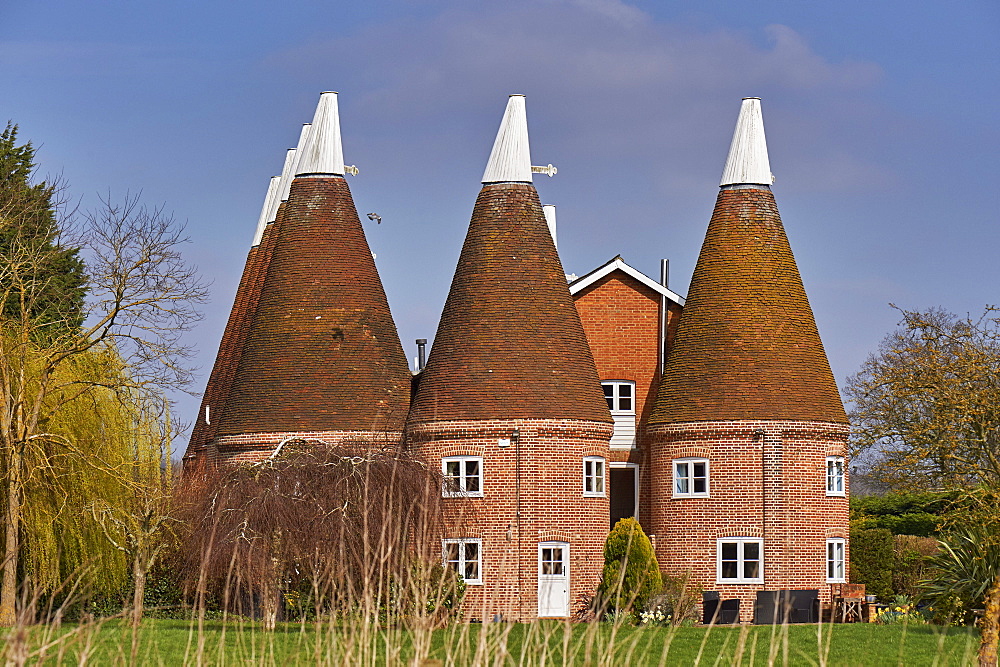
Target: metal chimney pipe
[421,354]
[664,279]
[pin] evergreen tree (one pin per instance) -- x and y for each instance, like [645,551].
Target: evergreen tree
[631,574]
[54,287]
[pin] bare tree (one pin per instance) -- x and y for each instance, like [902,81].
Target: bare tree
[353,526]
[141,298]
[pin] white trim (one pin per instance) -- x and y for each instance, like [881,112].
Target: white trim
[690,493]
[830,480]
[618,264]
[602,478]
[462,490]
[740,560]
[840,558]
[461,562]
[635,473]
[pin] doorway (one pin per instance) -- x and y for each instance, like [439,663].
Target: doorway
[553,579]
[624,489]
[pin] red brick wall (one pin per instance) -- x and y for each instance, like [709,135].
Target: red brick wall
[621,318]
[771,486]
[553,507]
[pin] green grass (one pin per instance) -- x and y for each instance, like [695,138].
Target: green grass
[165,642]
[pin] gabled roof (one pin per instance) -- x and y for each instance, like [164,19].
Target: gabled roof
[618,264]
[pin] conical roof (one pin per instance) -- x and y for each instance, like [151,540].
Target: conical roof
[322,352]
[510,344]
[747,346]
[227,359]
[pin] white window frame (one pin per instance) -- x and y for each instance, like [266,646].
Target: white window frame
[836,559]
[836,475]
[459,565]
[598,481]
[690,477]
[741,561]
[451,488]
[616,397]
[624,433]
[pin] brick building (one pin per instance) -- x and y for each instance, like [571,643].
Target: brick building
[553,409]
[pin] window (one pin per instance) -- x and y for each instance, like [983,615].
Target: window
[593,476]
[691,478]
[740,560]
[465,556]
[835,476]
[835,561]
[620,395]
[463,476]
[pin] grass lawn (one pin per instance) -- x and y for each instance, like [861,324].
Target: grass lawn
[163,642]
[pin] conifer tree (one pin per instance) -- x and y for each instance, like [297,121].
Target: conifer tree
[631,574]
[28,223]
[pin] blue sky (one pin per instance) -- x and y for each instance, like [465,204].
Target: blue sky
[881,120]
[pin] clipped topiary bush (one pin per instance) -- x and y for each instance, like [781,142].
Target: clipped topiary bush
[872,561]
[631,574]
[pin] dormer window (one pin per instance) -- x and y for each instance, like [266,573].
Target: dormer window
[620,395]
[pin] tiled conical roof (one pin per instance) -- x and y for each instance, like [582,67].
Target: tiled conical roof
[322,353]
[747,346]
[510,343]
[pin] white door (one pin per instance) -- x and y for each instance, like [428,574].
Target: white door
[553,579]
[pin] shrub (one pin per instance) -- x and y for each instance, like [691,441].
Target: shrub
[961,573]
[872,560]
[675,604]
[912,555]
[631,574]
[902,512]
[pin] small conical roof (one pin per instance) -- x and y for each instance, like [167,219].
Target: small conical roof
[510,344]
[227,359]
[265,211]
[288,171]
[747,346]
[747,161]
[510,159]
[322,352]
[323,152]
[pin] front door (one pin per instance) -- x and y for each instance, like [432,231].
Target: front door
[553,579]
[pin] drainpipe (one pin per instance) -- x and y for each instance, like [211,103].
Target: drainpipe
[516,437]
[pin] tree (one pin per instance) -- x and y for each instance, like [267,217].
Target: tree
[56,286]
[926,405]
[352,526]
[926,414]
[121,346]
[631,575]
